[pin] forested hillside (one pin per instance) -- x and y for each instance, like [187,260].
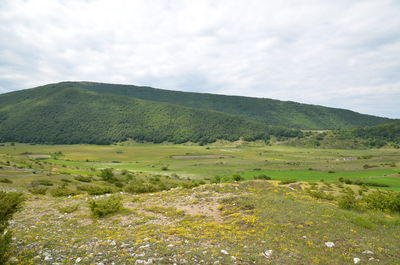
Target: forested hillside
[269,111]
[64,113]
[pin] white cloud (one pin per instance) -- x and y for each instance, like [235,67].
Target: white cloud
[335,53]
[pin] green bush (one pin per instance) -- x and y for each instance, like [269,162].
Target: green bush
[288,181]
[216,179]
[43,182]
[68,208]
[262,176]
[95,190]
[385,201]
[348,202]
[66,180]
[105,206]
[63,191]
[83,179]
[362,182]
[5,180]
[237,177]
[320,194]
[38,190]
[10,203]
[107,174]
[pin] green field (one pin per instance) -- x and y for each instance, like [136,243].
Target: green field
[245,159]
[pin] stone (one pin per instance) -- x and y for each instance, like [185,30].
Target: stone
[356,260]
[368,252]
[267,254]
[223,251]
[329,244]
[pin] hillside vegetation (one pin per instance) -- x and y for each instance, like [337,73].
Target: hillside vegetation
[269,111]
[364,137]
[68,114]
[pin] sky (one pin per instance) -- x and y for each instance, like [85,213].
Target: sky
[341,53]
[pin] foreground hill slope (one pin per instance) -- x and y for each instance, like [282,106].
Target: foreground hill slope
[238,223]
[64,113]
[269,111]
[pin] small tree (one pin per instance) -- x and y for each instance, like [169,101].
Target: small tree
[107,174]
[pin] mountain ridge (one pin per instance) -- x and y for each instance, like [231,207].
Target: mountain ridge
[270,111]
[71,114]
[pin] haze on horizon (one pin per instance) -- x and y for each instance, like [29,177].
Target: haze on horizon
[343,54]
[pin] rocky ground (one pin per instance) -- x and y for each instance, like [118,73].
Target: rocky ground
[253,222]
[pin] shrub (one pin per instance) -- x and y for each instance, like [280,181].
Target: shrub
[348,202]
[68,208]
[362,183]
[5,180]
[83,179]
[216,179]
[107,175]
[66,180]
[320,195]
[43,182]
[10,203]
[237,177]
[63,191]
[262,176]
[95,190]
[288,181]
[105,206]
[385,201]
[38,190]
[164,168]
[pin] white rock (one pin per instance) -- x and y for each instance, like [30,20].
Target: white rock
[13,259]
[267,254]
[47,258]
[113,243]
[223,251]
[329,244]
[356,260]
[78,260]
[305,237]
[368,252]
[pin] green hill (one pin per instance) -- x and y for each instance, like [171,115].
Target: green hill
[67,113]
[269,111]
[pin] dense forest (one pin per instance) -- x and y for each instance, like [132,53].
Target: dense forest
[269,111]
[65,114]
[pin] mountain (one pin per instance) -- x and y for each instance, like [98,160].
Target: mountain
[268,111]
[67,113]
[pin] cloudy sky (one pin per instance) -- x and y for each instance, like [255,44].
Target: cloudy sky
[340,53]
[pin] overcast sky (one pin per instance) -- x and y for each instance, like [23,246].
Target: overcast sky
[340,53]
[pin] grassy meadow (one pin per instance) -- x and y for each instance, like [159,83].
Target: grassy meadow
[248,160]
